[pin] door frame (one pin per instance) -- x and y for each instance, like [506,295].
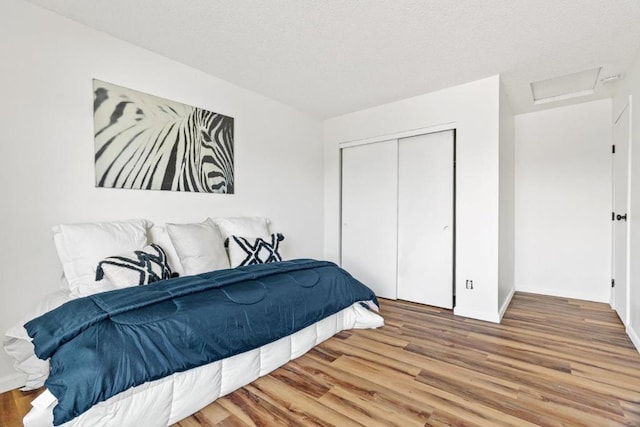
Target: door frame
[397,135]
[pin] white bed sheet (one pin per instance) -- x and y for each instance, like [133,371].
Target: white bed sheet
[168,400]
[18,346]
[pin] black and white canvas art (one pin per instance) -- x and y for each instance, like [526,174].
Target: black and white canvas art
[150,143]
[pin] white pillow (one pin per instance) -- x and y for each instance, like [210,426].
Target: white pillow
[90,288]
[243,226]
[81,247]
[159,235]
[199,246]
[248,251]
[135,268]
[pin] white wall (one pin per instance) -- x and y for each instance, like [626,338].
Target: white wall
[47,174]
[631,86]
[506,256]
[563,201]
[473,110]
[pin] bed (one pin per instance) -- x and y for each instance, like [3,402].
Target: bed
[182,342]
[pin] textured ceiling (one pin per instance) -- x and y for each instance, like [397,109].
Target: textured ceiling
[336,56]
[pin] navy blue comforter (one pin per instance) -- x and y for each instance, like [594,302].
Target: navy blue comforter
[106,343]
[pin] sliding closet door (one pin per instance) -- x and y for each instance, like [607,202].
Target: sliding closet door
[425,219]
[369,216]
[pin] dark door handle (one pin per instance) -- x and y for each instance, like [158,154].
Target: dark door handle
[620,217]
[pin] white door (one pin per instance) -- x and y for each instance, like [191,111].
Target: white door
[620,199]
[369,215]
[426,219]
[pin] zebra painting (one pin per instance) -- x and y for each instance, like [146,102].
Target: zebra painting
[149,143]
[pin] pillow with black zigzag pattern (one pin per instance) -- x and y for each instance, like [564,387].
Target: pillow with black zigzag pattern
[136,268]
[257,250]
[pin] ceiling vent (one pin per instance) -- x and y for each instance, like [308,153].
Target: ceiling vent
[565,87]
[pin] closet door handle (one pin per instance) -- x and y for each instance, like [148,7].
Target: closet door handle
[621,217]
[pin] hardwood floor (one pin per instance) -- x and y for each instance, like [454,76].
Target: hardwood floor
[552,362]
[14,405]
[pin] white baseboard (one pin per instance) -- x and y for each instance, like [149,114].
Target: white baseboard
[478,315]
[12,381]
[505,304]
[564,293]
[635,338]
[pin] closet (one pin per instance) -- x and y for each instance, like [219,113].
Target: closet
[398,206]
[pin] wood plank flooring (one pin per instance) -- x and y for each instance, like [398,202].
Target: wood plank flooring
[14,405]
[552,362]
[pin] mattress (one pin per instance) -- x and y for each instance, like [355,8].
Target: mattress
[170,399]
